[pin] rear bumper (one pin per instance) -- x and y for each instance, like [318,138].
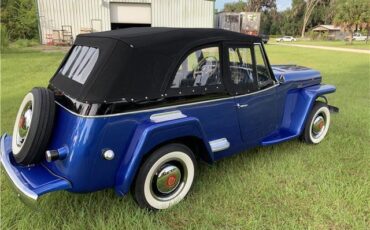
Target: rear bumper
[30,182]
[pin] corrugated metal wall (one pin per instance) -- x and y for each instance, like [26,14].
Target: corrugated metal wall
[76,13]
[95,13]
[182,13]
[132,1]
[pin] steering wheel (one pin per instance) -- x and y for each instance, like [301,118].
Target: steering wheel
[206,67]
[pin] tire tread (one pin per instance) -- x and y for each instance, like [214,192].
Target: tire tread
[39,134]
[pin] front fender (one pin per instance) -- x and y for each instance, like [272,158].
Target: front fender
[311,94]
[149,135]
[318,90]
[298,106]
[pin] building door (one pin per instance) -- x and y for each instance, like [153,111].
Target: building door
[125,15]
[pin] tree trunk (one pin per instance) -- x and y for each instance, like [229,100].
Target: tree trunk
[310,5]
[351,36]
[305,19]
[303,28]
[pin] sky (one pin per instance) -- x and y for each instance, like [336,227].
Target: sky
[281,4]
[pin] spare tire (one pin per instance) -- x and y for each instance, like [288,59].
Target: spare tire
[33,126]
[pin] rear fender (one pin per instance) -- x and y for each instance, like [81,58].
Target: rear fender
[147,136]
[298,105]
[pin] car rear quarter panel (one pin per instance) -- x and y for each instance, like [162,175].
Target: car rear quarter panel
[85,138]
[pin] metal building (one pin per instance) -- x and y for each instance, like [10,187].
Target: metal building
[244,22]
[61,21]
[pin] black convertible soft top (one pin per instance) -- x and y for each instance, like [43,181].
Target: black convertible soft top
[137,63]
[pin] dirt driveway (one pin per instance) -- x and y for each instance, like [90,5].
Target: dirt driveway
[329,48]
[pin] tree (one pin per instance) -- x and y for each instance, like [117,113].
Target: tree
[260,5]
[235,7]
[19,18]
[250,6]
[270,22]
[290,21]
[269,14]
[4,42]
[323,13]
[310,6]
[352,13]
[365,19]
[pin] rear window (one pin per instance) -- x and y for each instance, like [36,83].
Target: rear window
[80,63]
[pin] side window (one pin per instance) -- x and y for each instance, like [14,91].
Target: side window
[241,68]
[264,78]
[80,63]
[200,68]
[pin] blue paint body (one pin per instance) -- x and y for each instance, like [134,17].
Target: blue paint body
[37,180]
[272,116]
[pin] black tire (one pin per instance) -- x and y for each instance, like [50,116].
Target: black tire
[31,149]
[309,135]
[146,191]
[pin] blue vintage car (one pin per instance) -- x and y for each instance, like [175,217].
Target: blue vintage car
[136,109]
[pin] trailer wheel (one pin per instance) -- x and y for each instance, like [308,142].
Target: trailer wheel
[165,178]
[33,126]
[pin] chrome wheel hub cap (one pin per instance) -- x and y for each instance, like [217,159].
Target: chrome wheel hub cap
[24,123]
[318,126]
[168,179]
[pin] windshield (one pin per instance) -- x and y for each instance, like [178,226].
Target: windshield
[80,63]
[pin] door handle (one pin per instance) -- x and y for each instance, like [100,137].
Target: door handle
[241,106]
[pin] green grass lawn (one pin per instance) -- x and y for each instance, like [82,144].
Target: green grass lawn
[288,186]
[339,44]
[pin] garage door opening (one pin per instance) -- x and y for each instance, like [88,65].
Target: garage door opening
[116,26]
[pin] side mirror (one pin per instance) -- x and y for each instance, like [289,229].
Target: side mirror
[281,79]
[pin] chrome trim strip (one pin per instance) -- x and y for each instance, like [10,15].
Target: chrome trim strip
[145,110]
[166,107]
[18,184]
[253,93]
[167,116]
[219,144]
[240,106]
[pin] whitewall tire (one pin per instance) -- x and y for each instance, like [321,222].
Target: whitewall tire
[165,177]
[317,124]
[33,126]
[22,123]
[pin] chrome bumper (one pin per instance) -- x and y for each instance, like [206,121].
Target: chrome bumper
[29,182]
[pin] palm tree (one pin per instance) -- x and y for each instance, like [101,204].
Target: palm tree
[352,13]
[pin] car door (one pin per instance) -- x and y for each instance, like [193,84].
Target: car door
[198,88]
[255,90]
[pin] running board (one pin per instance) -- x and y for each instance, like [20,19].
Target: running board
[281,136]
